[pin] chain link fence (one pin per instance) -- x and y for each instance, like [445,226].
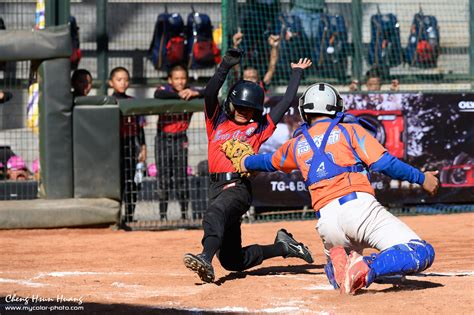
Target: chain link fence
[410,46]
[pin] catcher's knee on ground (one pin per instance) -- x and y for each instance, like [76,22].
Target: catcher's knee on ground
[412,257]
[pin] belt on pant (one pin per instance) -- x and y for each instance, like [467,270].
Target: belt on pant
[216,177]
[342,200]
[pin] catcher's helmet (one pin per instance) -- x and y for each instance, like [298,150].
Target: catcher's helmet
[320,98]
[246,94]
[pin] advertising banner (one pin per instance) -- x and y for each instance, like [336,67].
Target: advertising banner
[431,131]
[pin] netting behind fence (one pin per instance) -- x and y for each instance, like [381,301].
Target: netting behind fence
[175,179]
[16,139]
[416,43]
[130,33]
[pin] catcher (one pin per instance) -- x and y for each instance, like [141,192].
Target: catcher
[241,118]
[334,152]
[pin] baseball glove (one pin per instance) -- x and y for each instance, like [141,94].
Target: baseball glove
[236,150]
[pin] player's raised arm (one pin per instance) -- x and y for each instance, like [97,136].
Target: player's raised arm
[231,58]
[279,110]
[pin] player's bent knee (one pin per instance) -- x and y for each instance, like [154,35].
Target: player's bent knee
[230,264]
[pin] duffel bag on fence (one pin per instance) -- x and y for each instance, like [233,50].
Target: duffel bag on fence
[201,48]
[385,49]
[331,47]
[167,47]
[423,46]
[294,42]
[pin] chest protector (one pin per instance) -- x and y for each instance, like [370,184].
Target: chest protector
[322,167]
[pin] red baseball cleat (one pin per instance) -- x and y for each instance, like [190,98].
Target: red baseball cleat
[356,273]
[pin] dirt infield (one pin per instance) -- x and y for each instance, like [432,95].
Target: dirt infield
[106,271]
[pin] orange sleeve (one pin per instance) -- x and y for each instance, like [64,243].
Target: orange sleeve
[283,159]
[366,146]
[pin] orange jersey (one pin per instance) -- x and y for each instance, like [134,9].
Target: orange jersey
[297,154]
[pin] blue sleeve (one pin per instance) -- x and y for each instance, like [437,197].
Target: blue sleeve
[393,167]
[260,162]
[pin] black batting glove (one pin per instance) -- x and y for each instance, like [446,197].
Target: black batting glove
[232,57]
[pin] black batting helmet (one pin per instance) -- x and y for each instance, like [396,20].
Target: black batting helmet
[246,94]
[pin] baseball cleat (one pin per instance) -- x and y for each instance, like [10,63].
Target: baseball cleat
[200,265]
[339,260]
[292,247]
[356,274]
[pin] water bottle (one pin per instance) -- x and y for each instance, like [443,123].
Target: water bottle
[139,173]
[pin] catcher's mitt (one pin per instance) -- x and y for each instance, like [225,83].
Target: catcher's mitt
[236,150]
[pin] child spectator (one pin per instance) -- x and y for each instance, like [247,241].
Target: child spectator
[374,82]
[251,73]
[171,142]
[81,82]
[377,101]
[16,168]
[5,96]
[133,142]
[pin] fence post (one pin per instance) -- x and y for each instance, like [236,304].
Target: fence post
[102,45]
[57,12]
[357,39]
[471,42]
[225,34]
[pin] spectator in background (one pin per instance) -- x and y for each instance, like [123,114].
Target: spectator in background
[374,82]
[16,169]
[375,101]
[171,142]
[5,96]
[281,133]
[81,82]
[251,73]
[133,142]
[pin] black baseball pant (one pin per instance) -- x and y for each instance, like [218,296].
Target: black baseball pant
[228,201]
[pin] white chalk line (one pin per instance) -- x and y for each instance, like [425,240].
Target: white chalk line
[140,291]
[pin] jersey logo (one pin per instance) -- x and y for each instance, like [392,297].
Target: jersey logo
[321,171]
[249,131]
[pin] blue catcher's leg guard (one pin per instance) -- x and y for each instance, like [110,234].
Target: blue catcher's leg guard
[403,259]
[329,270]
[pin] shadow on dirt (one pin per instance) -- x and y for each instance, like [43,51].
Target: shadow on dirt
[405,285]
[273,270]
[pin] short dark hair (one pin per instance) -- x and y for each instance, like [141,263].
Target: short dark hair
[373,73]
[118,69]
[250,68]
[177,68]
[79,73]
